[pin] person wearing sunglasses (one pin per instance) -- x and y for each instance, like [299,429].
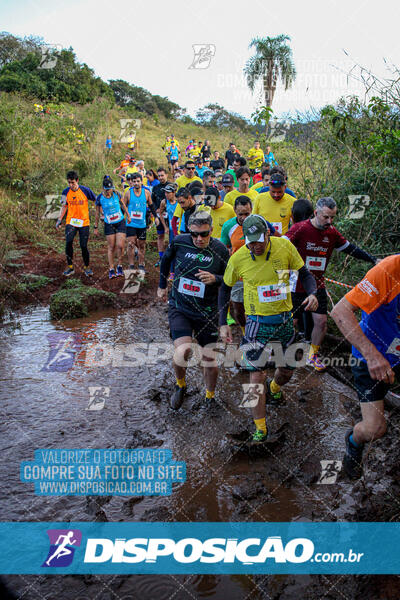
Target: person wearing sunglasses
[275,205]
[200,262]
[189,175]
[265,186]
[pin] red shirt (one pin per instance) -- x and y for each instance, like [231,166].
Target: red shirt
[315,247]
[257,177]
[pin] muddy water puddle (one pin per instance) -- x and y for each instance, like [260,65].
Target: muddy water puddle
[49,409]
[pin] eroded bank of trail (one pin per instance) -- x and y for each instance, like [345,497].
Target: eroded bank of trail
[224,482]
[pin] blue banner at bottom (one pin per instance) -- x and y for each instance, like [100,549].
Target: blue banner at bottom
[199,548]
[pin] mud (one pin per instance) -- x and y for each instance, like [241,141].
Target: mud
[225,482]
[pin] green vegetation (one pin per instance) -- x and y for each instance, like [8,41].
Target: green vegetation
[29,282]
[75,300]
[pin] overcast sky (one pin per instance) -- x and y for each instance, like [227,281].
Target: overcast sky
[151,43]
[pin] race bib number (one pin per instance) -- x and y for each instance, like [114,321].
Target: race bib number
[191,287]
[76,222]
[271,293]
[137,214]
[394,347]
[278,227]
[316,263]
[114,217]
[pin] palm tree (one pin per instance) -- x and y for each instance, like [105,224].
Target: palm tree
[273,60]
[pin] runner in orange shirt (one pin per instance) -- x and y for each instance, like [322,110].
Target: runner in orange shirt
[75,202]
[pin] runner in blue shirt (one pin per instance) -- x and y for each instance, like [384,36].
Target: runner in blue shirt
[113,208]
[269,156]
[137,199]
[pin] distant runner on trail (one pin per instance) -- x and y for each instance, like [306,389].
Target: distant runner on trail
[200,262]
[75,202]
[137,199]
[263,264]
[315,239]
[166,214]
[114,211]
[230,155]
[269,156]
[255,156]
[376,343]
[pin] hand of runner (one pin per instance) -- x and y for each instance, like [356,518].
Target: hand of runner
[206,277]
[128,218]
[379,368]
[226,334]
[310,303]
[162,294]
[58,223]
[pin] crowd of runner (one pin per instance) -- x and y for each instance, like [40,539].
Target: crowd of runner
[242,249]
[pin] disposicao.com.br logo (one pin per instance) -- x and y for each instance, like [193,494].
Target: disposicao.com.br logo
[62,547]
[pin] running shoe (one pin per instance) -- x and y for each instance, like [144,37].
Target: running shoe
[314,361]
[131,267]
[88,272]
[178,397]
[142,268]
[259,437]
[352,460]
[111,274]
[171,277]
[120,271]
[271,398]
[69,271]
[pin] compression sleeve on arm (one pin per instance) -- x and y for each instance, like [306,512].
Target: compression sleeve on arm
[224,296]
[356,252]
[307,281]
[165,265]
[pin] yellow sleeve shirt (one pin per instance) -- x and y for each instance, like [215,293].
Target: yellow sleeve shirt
[219,217]
[276,212]
[266,282]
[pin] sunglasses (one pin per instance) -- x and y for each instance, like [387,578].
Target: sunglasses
[190,168]
[202,234]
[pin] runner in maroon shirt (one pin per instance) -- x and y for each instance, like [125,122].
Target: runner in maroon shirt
[315,240]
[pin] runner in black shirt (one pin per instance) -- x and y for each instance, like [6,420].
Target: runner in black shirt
[217,164]
[158,194]
[200,262]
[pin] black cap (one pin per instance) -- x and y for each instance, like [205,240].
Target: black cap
[227,179]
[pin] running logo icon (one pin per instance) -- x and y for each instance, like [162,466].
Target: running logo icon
[330,469]
[63,349]
[203,53]
[63,543]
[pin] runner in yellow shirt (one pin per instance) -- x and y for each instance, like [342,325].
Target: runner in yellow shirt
[244,177]
[220,211]
[255,156]
[188,176]
[264,264]
[275,205]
